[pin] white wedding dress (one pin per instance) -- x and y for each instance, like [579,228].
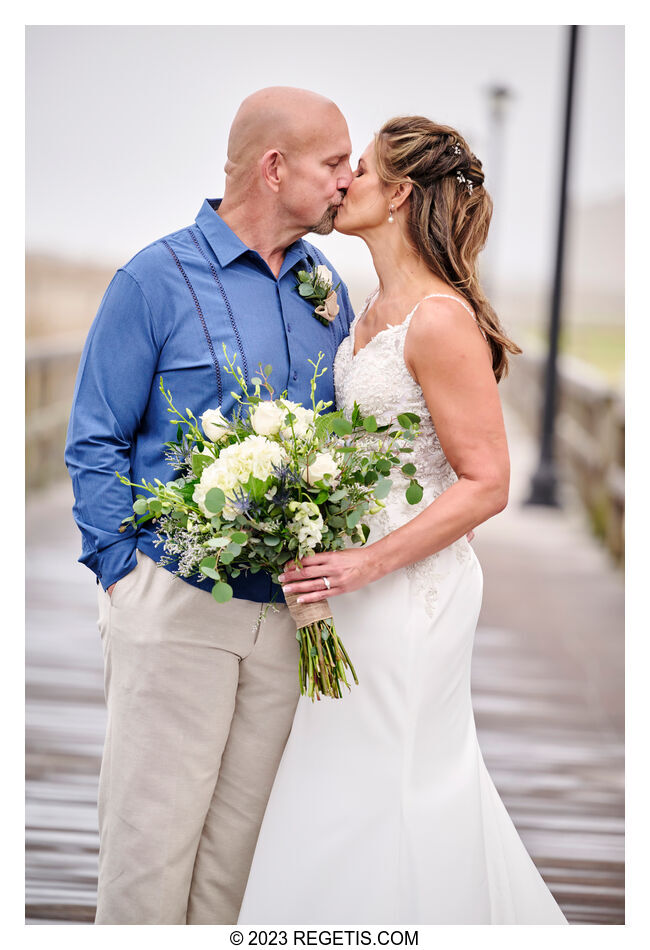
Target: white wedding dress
[383,811]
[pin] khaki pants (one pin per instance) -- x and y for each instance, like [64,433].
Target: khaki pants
[200,701]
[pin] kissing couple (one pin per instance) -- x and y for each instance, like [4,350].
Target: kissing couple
[224,796]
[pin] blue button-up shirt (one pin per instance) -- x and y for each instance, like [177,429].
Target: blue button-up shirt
[167,313]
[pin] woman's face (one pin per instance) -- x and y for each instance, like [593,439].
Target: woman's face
[366,202]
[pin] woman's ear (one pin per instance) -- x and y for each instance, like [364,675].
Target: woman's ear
[271,167]
[401,193]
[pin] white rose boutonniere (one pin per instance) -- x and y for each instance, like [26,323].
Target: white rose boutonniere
[316,285]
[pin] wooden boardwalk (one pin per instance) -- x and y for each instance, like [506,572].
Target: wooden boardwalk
[547,687]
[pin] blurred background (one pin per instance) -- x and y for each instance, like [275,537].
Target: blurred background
[126,135]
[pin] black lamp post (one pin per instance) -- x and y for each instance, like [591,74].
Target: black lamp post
[544,481]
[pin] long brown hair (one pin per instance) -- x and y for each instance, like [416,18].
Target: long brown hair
[449,211]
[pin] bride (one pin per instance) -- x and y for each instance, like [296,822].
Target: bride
[382,810]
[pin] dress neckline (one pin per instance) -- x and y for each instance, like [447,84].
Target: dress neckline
[392,326]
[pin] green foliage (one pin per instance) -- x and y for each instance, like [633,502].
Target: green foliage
[414,493]
[222,592]
[214,500]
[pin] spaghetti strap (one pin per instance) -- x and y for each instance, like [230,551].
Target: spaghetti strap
[449,297]
[458,300]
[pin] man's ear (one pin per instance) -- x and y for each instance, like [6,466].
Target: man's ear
[401,193]
[272,167]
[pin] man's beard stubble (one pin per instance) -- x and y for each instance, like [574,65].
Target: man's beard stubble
[325,225]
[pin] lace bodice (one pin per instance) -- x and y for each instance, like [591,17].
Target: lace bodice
[378,380]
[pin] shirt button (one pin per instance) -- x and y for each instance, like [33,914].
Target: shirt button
[288,328]
[295,376]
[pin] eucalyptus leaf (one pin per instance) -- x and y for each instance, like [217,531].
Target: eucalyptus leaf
[306,290]
[210,572]
[239,537]
[222,592]
[215,500]
[353,518]
[382,488]
[370,424]
[409,468]
[414,493]
[140,505]
[338,494]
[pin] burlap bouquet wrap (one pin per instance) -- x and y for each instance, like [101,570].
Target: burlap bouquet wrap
[306,614]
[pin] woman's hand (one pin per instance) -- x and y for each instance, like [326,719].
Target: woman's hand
[345,570]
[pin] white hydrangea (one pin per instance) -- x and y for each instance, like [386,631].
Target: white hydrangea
[256,456]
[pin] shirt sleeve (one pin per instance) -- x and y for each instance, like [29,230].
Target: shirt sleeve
[114,381]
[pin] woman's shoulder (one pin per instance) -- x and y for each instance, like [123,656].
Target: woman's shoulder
[440,313]
[444,329]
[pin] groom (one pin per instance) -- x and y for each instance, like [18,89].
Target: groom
[200,696]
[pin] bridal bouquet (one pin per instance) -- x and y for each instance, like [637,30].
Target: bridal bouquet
[277,482]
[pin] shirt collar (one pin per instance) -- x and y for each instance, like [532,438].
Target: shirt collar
[228,247]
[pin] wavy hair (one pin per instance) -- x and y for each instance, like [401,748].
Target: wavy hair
[449,211]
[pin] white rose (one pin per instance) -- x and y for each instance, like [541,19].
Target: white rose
[267,418]
[215,425]
[302,424]
[322,465]
[324,274]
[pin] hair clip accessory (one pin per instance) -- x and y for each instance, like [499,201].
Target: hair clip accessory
[465,181]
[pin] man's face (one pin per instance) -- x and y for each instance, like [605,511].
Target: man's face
[319,176]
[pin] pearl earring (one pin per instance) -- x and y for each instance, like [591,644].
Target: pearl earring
[390,214]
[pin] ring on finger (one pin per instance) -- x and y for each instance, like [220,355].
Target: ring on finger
[327,582]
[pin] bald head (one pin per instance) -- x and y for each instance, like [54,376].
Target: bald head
[288,166]
[279,117]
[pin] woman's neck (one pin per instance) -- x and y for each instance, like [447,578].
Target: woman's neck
[402,273]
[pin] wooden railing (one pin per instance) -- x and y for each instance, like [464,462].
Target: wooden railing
[590,436]
[50,372]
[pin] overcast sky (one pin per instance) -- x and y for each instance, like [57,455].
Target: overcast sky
[127,126]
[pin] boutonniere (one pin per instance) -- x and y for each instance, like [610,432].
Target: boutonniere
[316,285]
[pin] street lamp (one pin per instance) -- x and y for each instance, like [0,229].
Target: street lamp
[543,489]
[498,98]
